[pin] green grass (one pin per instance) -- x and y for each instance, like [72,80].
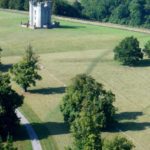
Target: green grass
[65,52]
[71,37]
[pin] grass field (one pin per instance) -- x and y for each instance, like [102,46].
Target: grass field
[72,49]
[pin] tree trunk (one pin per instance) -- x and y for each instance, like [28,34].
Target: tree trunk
[25,89]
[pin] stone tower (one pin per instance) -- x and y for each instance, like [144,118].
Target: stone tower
[39,14]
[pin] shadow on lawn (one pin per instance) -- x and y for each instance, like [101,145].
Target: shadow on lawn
[49,90]
[143,63]
[125,124]
[128,115]
[44,130]
[70,27]
[5,67]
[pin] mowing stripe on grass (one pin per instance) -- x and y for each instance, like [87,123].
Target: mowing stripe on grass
[91,68]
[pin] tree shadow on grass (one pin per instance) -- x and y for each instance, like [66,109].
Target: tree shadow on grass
[44,130]
[5,67]
[128,115]
[133,126]
[143,63]
[124,122]
[70,27]
[46,91]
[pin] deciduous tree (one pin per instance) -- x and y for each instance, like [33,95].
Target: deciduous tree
[25,73]
[128,51]
[118,143]
[9,102]
[85,94]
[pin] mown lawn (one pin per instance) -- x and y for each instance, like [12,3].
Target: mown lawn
[64,52]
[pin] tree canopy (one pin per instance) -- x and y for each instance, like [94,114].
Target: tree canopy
[129,12]
[25,72]
[85,94]
[86,131]
[118,143]
[9,144]
[9,102]
[128,51]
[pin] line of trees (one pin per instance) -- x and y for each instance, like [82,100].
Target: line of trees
[128,12]
[15,4]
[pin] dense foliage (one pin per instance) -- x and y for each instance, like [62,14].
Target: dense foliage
[129,12]
[8,145]
[86,131]
[62,7]
[9,102]
[88,108]
[25,72]
[146,49]
[118,143]
[15,4]
[85,94]
[128,51]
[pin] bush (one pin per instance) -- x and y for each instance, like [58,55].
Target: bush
[118,143]
[128,51]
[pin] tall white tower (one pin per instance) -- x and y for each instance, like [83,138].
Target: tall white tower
[39,14]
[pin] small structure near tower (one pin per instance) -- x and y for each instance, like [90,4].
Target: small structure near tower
[39,14]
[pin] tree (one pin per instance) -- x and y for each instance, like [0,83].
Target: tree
[136,10]
[0,54]
[118,143]
[86,132]
[146,49]
[9,144]
[85,94]
[26,5]
[128,51]
[25,72]
[9,102]
[4,3]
